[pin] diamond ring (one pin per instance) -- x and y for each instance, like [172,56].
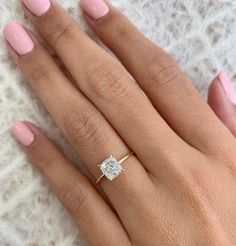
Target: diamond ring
[111,168]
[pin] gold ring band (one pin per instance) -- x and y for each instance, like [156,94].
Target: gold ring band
[111,167]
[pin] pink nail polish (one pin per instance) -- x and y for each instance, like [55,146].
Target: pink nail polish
[37,7]
[18,38]
[227,86]
[23,134]
[96,9]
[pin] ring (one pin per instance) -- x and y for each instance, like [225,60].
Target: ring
[111,167]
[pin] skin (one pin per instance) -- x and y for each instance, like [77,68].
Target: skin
[179,187]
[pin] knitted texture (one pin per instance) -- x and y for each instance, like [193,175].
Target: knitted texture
[200,34]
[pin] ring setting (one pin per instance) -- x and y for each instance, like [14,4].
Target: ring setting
[111,168]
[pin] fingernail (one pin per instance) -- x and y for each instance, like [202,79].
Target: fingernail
[18,38]
[96,9]
[227,86]
[37,7]
[23,133]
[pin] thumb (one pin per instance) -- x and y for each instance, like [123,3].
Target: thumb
[222,100]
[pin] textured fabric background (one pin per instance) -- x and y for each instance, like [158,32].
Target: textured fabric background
[200,34]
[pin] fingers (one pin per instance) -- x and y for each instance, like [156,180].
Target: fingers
[106,83]
[84,126]
[94,217]
[221,98]
[78,119]
[158,75]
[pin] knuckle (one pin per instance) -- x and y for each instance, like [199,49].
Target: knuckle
[43,154]
[82,127]
[40,72]
[37,72]
[56,27]
[226,159]
[201,180]
[119,29]
[109,84]
[163,71]
[74,199]
[62,31]
[44,161]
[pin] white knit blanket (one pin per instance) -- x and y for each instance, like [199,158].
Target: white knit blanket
[200,34]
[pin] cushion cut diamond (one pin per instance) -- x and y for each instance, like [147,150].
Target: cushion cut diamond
[111,168]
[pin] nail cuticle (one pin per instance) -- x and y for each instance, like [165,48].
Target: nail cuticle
[37,7]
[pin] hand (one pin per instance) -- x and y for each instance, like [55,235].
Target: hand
[179,187]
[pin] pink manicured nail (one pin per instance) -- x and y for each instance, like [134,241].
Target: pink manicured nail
[37,7]
[227,86]
[96,9]
[23,134]
[18,38]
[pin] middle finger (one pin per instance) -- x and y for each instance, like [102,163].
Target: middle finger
[106,83]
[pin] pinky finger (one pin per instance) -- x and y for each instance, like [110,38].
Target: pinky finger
[221,98]
[95,219]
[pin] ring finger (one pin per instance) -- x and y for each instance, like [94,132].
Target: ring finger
[80,121]
[73,189]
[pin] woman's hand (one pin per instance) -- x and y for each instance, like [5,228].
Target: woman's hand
[180,186]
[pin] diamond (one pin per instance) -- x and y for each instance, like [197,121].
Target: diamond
[111,168]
